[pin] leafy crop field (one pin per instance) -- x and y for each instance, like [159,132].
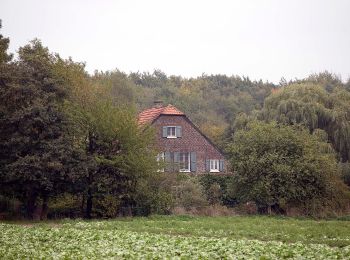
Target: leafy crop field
[177,237]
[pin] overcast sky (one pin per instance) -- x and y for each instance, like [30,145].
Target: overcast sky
[262,39]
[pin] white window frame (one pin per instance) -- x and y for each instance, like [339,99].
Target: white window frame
[214,165]
[160,159]
[171,136]
[189,162]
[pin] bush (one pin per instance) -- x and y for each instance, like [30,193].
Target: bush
[214,194]
[10,208]
[345,172]
[225,196]
[197,195]
[154,196]
[210,211]
[106,206]
[247,208]
[65,206]
[189,193]
[281,167]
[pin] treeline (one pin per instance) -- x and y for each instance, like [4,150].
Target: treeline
[211,101]
[70,145]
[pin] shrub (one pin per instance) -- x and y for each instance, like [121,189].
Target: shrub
[223,181]
[214,193]
[10,208]
[345,172]
[106,206]
[279,166]
[65,206]
[154,196]
[210,211]
[189,193]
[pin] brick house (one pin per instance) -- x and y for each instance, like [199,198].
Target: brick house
[184,148]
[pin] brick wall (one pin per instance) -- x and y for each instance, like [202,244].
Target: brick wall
[191,141]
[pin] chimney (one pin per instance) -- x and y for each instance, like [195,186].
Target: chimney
[158,103]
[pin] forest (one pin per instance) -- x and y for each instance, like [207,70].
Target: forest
[70,145]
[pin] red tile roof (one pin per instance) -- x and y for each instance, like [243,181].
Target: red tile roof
[148,115]
[275,90]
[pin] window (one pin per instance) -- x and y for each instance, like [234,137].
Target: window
[171,132]
[185,162]
[180,161]
[214,166]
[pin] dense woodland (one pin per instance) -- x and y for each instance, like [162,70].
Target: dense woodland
[70,145]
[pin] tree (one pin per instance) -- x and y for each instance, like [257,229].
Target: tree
[119,155]
[325,79]
[62,132]
[282,166]
[4,45]
[312,106]
[35,144]
[123,156]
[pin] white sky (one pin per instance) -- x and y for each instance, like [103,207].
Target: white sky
[262,39]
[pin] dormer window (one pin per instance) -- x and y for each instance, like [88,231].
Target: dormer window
[172,131]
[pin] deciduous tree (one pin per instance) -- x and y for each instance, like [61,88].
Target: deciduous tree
[282,166]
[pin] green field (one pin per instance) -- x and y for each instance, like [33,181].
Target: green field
[177,237]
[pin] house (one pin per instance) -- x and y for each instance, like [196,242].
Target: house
[184,148]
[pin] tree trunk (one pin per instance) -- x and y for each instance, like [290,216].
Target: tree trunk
[44,207]
[91,149]
[129,212]
[88,204]
[31,201]
[82,206]
[269,211]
